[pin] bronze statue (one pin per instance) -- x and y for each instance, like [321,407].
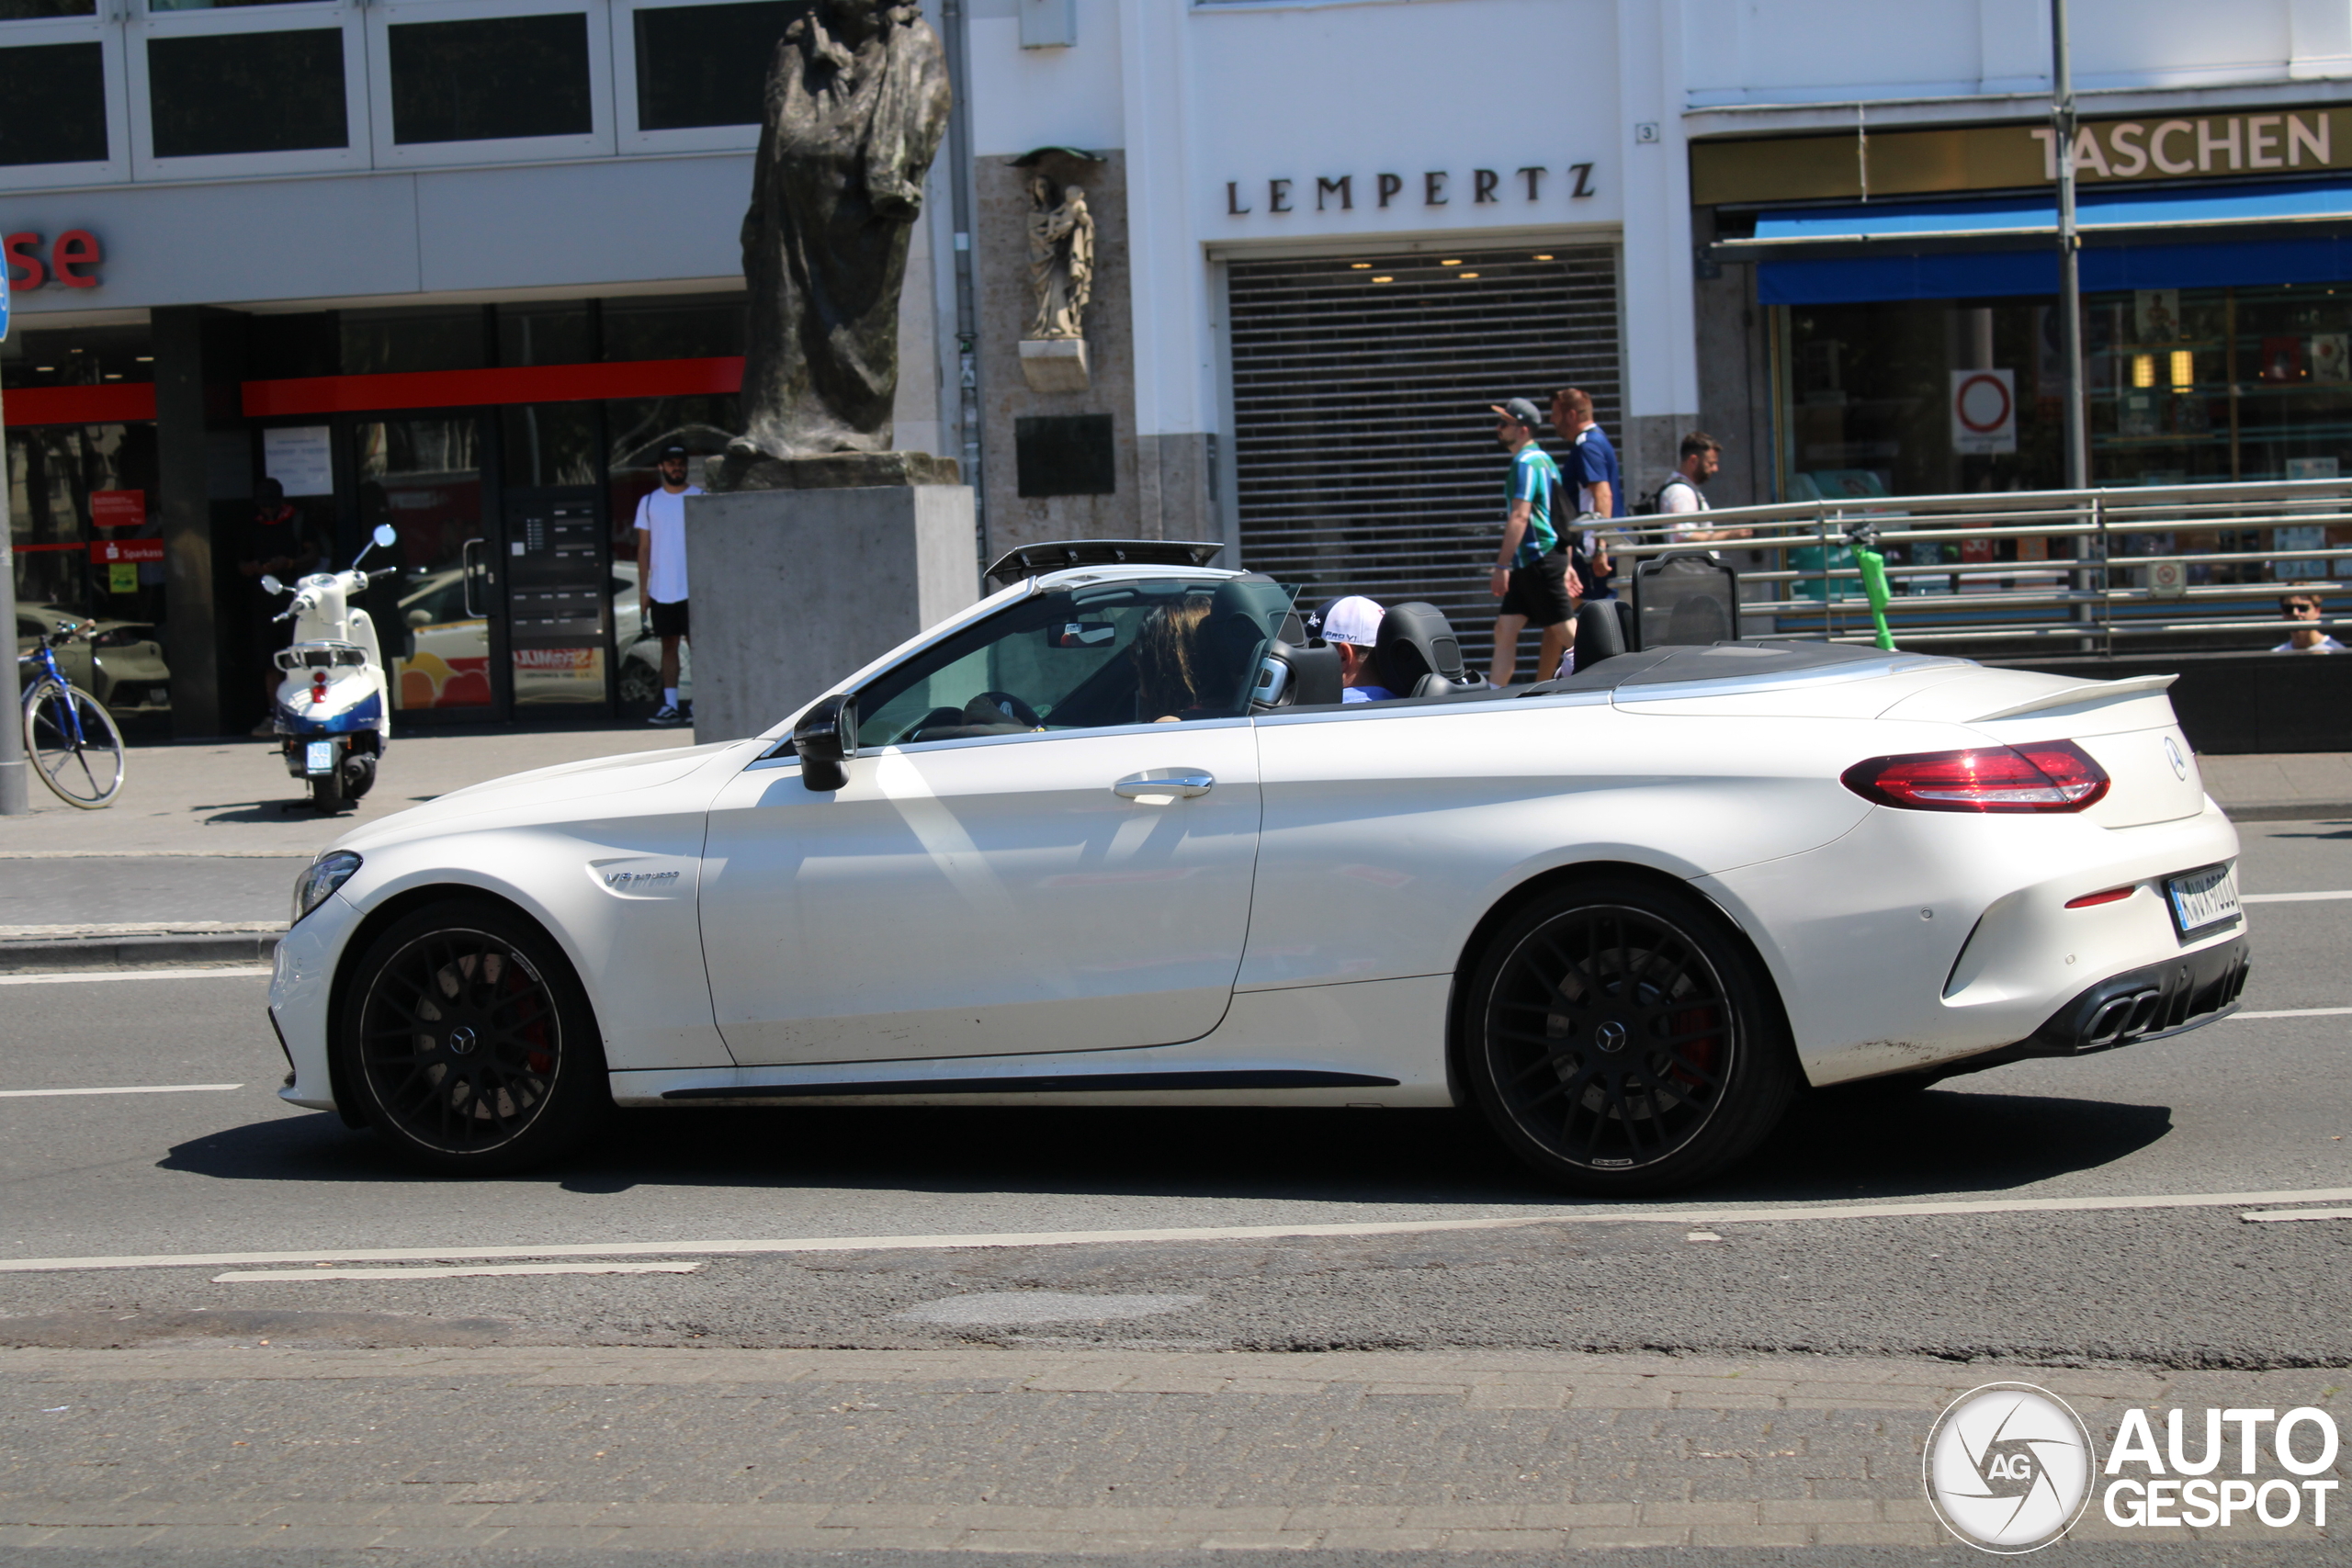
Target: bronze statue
[857,99]
[1061,260]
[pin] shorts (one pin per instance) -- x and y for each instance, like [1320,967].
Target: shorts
[666,620]
[1539,593]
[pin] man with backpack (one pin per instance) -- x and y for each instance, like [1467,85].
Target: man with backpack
[1680,497]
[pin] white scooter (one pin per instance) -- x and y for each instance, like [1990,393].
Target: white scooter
[333,712]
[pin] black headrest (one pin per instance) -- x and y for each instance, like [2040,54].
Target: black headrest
[1230,639]
[1416,642]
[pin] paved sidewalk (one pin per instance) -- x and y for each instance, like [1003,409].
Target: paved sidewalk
[1008,1449]
[228,797]
[2281,786]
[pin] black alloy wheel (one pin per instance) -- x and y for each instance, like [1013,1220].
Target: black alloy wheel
[469,1042]
[1623,1040]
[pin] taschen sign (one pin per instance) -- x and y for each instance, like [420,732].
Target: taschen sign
[2006,157]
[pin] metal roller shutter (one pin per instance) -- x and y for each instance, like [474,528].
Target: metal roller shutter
[1364,453]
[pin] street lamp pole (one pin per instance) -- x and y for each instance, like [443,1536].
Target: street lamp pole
[2069,287]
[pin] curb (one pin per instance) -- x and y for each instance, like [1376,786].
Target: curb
[2284,811]
[194,951]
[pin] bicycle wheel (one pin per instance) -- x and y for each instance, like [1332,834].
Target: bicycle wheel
[72,742]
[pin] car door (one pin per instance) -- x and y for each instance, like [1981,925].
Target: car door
[1019,862]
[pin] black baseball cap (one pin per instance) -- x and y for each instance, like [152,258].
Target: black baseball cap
[673,450]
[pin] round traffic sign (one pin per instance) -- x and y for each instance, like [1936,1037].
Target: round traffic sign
[1981,403]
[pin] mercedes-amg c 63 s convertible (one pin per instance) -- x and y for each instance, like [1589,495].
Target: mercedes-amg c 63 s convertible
[1111,837]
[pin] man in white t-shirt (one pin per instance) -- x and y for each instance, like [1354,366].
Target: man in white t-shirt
[2309,636]
[662,573]
[1679,496]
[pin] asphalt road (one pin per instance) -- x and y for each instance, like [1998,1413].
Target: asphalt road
[2255,1105]
[1724,1390]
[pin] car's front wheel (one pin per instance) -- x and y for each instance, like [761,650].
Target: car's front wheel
[468,1041]
[1624,1040]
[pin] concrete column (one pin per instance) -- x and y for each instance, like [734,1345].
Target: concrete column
[794,588]
[197,369]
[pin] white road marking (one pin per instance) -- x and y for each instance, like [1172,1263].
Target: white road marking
[2296,1012]
[2299,1215]
[131,1089]
[461,1273]
[1042,1307]
[1594,1214]
[83,976]
[2292,897]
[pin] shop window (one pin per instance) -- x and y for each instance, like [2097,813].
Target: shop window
[1065,454]
[158,6]
[45,10]
[703,326]
[377,342]
[85,357]
[223,92]
[555,334]
[700,65]
[56,95]
[550,444]
[490,79]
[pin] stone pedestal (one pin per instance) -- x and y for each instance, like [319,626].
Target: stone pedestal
[1055,365]
[794,589]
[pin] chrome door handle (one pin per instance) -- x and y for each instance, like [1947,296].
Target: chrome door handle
[1165,783]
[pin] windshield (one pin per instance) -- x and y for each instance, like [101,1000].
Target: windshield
[1084,657]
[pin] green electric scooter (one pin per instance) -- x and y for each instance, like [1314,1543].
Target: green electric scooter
[1861,535]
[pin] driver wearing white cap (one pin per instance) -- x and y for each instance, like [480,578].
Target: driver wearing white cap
[1351,626]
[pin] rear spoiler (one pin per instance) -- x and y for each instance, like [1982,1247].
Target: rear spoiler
[2073,696]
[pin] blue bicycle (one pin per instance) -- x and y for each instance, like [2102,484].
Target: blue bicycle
[69,738]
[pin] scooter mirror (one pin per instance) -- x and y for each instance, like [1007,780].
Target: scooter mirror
[385,538]
[271,585]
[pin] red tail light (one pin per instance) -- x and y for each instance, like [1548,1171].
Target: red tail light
[2040,775]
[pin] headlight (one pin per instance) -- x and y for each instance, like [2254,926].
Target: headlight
[320,877]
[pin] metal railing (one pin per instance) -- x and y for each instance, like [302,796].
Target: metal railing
[2084,573]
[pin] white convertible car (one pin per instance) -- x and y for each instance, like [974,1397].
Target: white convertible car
[1108,838]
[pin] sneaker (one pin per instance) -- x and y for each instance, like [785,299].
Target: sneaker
[665,715]
[686,709]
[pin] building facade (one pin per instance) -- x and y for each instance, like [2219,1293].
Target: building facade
[464,263]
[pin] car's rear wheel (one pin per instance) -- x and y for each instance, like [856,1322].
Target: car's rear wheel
[1623,1040]
[468,1041]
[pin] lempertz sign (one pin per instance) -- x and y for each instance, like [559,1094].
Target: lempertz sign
[1852,164]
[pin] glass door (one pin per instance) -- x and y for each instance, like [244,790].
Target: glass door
[422,475]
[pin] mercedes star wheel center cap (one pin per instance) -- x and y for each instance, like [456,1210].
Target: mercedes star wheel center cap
[1609,1036]
[462,1040]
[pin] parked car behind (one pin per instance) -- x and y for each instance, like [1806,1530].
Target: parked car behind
[122,665]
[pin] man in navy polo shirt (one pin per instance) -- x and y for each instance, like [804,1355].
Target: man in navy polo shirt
[1592,461]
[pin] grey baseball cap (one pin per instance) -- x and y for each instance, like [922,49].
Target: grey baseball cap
[1519,410]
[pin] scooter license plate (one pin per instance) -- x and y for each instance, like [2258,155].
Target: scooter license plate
[318,757]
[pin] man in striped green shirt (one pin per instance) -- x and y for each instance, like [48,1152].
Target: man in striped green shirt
[1532,578]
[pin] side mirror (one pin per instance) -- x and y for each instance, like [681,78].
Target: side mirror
[270,584]
[385,538]
[826,737]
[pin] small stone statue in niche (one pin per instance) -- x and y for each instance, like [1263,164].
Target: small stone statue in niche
[1061,260]
[857,104]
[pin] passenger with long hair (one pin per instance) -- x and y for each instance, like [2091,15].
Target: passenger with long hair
[1169,662]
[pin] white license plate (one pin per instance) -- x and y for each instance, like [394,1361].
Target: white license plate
[2202,900]
[318,757]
